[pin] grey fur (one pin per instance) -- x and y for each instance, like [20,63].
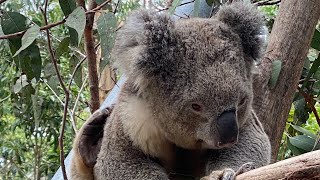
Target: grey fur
[153,133]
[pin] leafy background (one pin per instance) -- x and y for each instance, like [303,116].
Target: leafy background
[32,98]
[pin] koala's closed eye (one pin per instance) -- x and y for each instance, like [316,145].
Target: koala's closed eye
[196,107]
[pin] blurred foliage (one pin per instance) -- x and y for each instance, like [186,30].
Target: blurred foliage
[32,99]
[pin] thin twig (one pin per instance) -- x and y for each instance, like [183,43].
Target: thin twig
[116,8]
[43,28]
[267,2]
[182,4]
[98,7]
[310,103]
[62,103]
[78,66]
[78,97]
[66,92]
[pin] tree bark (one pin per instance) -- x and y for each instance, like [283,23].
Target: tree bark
[289,42]
[92,60]
[306,166]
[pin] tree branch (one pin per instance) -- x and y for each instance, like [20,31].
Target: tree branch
[54,62]
[305,166]
[43,28]
[310,103]
[98,7]
[91,56]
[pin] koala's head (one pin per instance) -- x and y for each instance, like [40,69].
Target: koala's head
[195,74]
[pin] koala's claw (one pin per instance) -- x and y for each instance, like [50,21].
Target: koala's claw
[245,168]
[229,174]
[226,174]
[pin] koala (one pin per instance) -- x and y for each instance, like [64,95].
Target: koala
[185,110]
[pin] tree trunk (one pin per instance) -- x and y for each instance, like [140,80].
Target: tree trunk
[92,59]
[306,166]
[289,42]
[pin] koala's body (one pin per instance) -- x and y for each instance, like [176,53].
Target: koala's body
[185,109]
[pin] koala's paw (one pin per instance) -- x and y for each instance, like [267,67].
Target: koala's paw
[91,136]
[226,174]
[229,174]
[245,168]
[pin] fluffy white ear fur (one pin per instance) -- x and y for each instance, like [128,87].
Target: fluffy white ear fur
[142,129]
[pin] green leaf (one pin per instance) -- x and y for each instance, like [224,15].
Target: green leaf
[63,47]
[315,43]
[54,83]
[213,2]
[36,106]
[28,38]
[315,66]
[73,37]
[107,24]
[304,131]
[196,8]
[296,151]
[175,4]
[300,112]
[49,70]
[275,72]
[12,22]
[29,61]
[20,83]
[67,6]
[78,75]
[77,21]
[32,53]
[304,142]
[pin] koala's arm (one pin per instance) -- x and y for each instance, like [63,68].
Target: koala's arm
[253,147]
[120,159]
[87,145]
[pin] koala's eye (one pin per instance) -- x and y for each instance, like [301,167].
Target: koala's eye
[196,107]
[243,100]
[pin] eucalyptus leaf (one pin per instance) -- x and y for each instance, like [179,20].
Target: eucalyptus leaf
[53,82]
[296,151]
[173,7]
[63,47]
[28,38]
[77,21]
[315,43]
[300,113]
[78,75]
[314,68]
[304,142]
[67,6]
[196,8]
[275,72]
[36,106]
[107,24]
[12,22]
[304,131]
[20,83]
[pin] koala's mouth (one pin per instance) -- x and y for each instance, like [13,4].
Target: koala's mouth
[216,144]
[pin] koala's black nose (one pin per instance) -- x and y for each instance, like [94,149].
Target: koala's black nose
[227,127]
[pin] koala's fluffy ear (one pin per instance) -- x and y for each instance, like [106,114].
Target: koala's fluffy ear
[248,23]
[143,30]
